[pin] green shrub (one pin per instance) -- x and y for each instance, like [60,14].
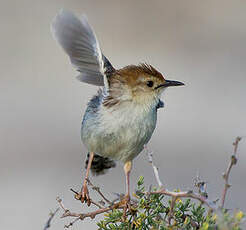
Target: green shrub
[152,211]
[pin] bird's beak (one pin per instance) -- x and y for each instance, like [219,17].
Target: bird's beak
[169,83]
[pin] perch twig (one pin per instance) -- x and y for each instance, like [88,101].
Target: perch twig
[52,214]
[232,162]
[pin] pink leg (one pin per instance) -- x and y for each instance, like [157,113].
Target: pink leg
[84,190]
[127,169]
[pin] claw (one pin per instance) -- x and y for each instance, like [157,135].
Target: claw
[85,195]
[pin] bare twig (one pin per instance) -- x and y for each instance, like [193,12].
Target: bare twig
[91,215]
[97,204]
[233,161]
[186,194]
[155,169]
[72,223]
[59,200]
[97,189]
[52,214]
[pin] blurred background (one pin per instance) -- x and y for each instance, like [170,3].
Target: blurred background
[201,43]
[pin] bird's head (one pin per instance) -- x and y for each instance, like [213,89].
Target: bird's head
[142,83]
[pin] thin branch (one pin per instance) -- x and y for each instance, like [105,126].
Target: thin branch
[121,205]
[186,194]
[97,204]
[97,189]
[82,216]
[72,223]
[155,169]
[232,162]
[59,200]
[52,214]
[93,214]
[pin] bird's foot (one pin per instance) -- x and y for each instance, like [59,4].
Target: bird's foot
[83,195]
[127,200]
[127,206]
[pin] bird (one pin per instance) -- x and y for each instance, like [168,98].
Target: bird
[121,117]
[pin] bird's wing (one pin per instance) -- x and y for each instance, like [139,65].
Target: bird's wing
[80,43]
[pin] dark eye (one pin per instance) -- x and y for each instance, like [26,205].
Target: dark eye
[150,83]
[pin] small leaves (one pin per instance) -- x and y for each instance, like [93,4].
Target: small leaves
[140,181]
[152,211]
[239,215]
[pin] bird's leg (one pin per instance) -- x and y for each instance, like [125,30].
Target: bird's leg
[84,194]
[127,169]
[127,205]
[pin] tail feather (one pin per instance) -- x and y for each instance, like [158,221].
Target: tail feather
[100,165]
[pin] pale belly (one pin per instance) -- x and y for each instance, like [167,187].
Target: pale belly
[119,135]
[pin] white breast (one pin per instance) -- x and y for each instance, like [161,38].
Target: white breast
[124,130]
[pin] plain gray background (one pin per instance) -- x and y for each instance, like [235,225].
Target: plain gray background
[201,43]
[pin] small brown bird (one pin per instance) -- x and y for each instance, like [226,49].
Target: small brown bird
[121,117]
